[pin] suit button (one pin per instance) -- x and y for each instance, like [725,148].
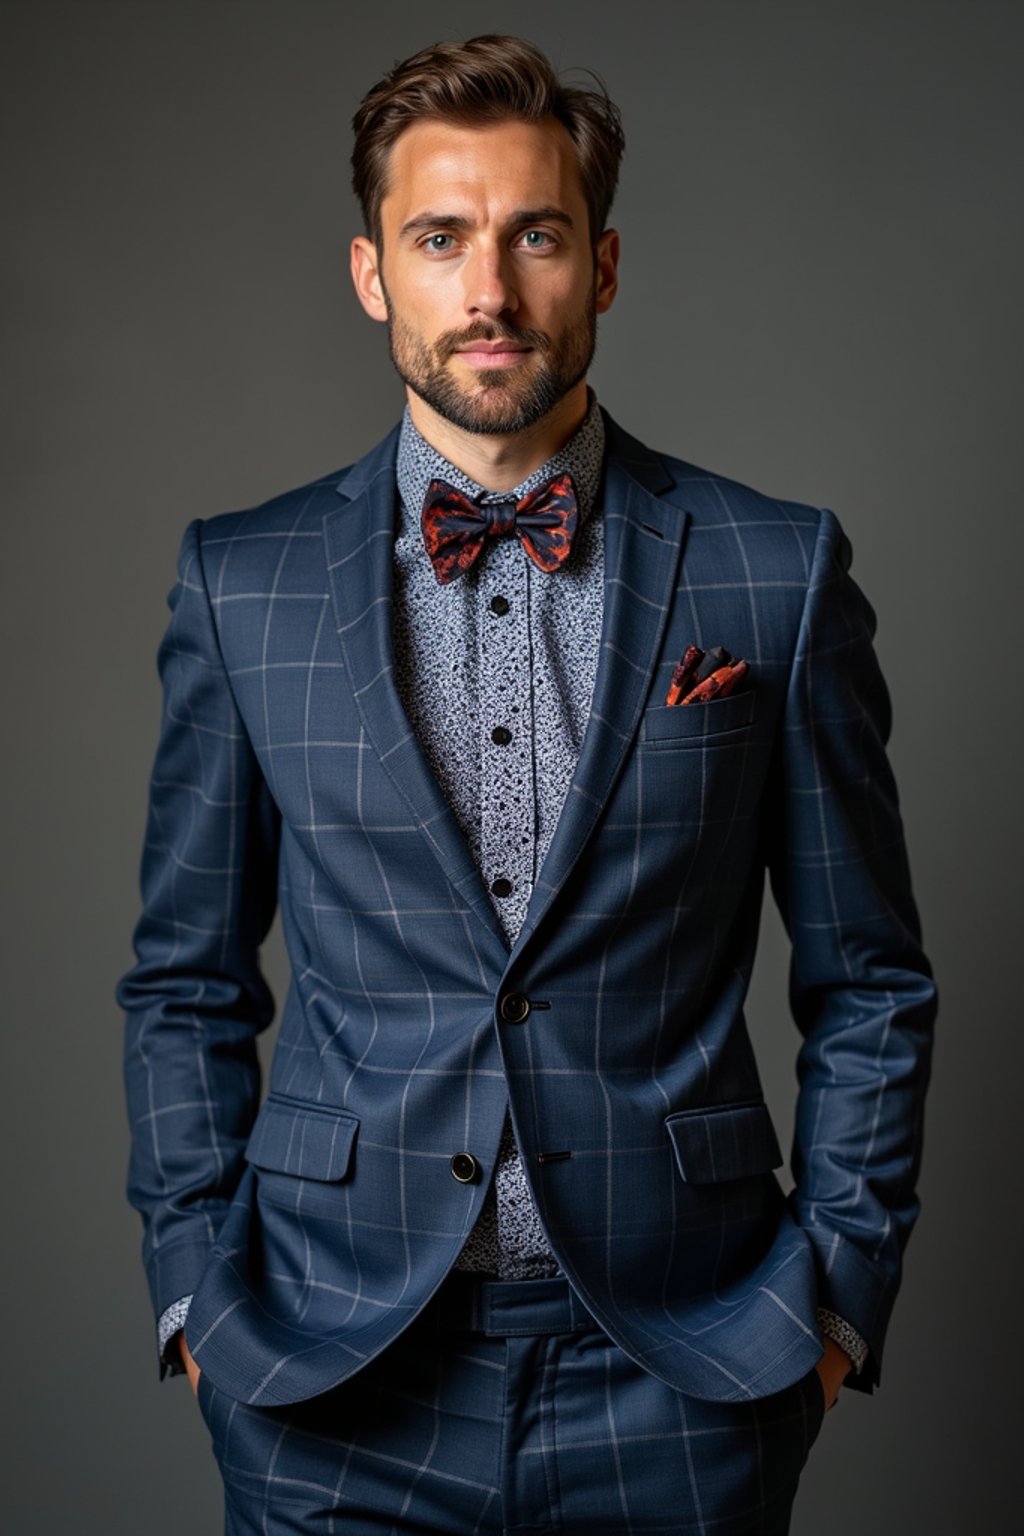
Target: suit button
[465,1167]
[514,1007]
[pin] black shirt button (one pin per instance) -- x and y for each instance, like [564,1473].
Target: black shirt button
[465,1167]
[501,735]
[501,886]
[514,1007]
[499,604]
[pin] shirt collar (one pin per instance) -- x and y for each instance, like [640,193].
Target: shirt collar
[418,463]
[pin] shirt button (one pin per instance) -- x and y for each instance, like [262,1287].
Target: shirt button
[514,1007]
[499,604]
[465,1167]
[501,886]
[501,735]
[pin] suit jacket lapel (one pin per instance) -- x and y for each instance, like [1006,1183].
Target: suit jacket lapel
[644,535]
[359,537]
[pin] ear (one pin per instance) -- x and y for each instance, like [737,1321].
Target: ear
[366,278]
[606,270]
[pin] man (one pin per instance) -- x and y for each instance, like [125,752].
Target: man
[511,717]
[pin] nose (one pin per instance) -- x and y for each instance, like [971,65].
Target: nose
[489,283]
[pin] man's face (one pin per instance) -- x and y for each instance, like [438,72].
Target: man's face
[489,282]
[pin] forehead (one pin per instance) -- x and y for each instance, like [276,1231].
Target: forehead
[451,168]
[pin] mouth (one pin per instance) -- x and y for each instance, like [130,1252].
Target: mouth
[492,354]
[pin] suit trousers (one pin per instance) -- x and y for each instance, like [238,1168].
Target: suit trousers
[504,1408]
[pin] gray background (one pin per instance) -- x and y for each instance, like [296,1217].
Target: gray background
[820,295]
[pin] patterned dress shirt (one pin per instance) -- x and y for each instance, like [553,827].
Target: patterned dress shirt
[496,672]
[481,660]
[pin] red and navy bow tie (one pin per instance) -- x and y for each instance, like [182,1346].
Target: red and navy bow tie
[455,528]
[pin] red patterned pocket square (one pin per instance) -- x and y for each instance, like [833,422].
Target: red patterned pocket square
[703,675]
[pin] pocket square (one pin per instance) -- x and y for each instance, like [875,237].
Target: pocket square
[703,675]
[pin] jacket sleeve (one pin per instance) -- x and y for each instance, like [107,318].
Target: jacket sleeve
[196,999]
[861,989]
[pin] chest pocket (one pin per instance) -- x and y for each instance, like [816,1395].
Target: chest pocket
[689,725]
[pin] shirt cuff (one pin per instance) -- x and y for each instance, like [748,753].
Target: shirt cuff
[172,1320]
[834,1327]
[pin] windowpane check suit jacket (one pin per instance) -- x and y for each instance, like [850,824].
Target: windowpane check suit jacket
[311,1229]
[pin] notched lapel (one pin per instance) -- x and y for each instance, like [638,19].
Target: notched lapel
[359,538]
[644,536]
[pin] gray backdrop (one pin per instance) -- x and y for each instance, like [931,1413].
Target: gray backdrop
[820,295]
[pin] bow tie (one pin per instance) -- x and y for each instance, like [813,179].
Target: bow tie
[456,528]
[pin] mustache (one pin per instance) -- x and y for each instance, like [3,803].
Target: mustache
[488,330]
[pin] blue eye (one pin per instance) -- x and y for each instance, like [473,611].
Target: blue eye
[436,242]
[535,238]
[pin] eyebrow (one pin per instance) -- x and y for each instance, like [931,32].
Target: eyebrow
[425,221]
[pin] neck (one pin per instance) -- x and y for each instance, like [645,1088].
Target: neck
[502,461]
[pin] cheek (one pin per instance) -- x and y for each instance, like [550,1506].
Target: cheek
[431,308]
[570,289]
[412,292]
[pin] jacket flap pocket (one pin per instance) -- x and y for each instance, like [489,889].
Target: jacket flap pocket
[304,1140]
[732,1142]
[667,723]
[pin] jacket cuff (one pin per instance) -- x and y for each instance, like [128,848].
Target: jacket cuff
[859,1293]
[175,1269]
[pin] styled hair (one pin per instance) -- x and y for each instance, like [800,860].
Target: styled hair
[488,79]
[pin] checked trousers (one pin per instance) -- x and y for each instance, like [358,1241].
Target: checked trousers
[504,1409]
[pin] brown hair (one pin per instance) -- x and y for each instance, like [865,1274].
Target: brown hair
[485,80]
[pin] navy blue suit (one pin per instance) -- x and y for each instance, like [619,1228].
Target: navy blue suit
[313,1230]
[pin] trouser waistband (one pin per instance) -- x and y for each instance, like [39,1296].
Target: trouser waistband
[500,1307]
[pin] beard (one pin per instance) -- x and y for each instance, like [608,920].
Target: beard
[503,401]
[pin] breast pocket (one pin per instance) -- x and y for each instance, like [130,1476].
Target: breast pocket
[690,725]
